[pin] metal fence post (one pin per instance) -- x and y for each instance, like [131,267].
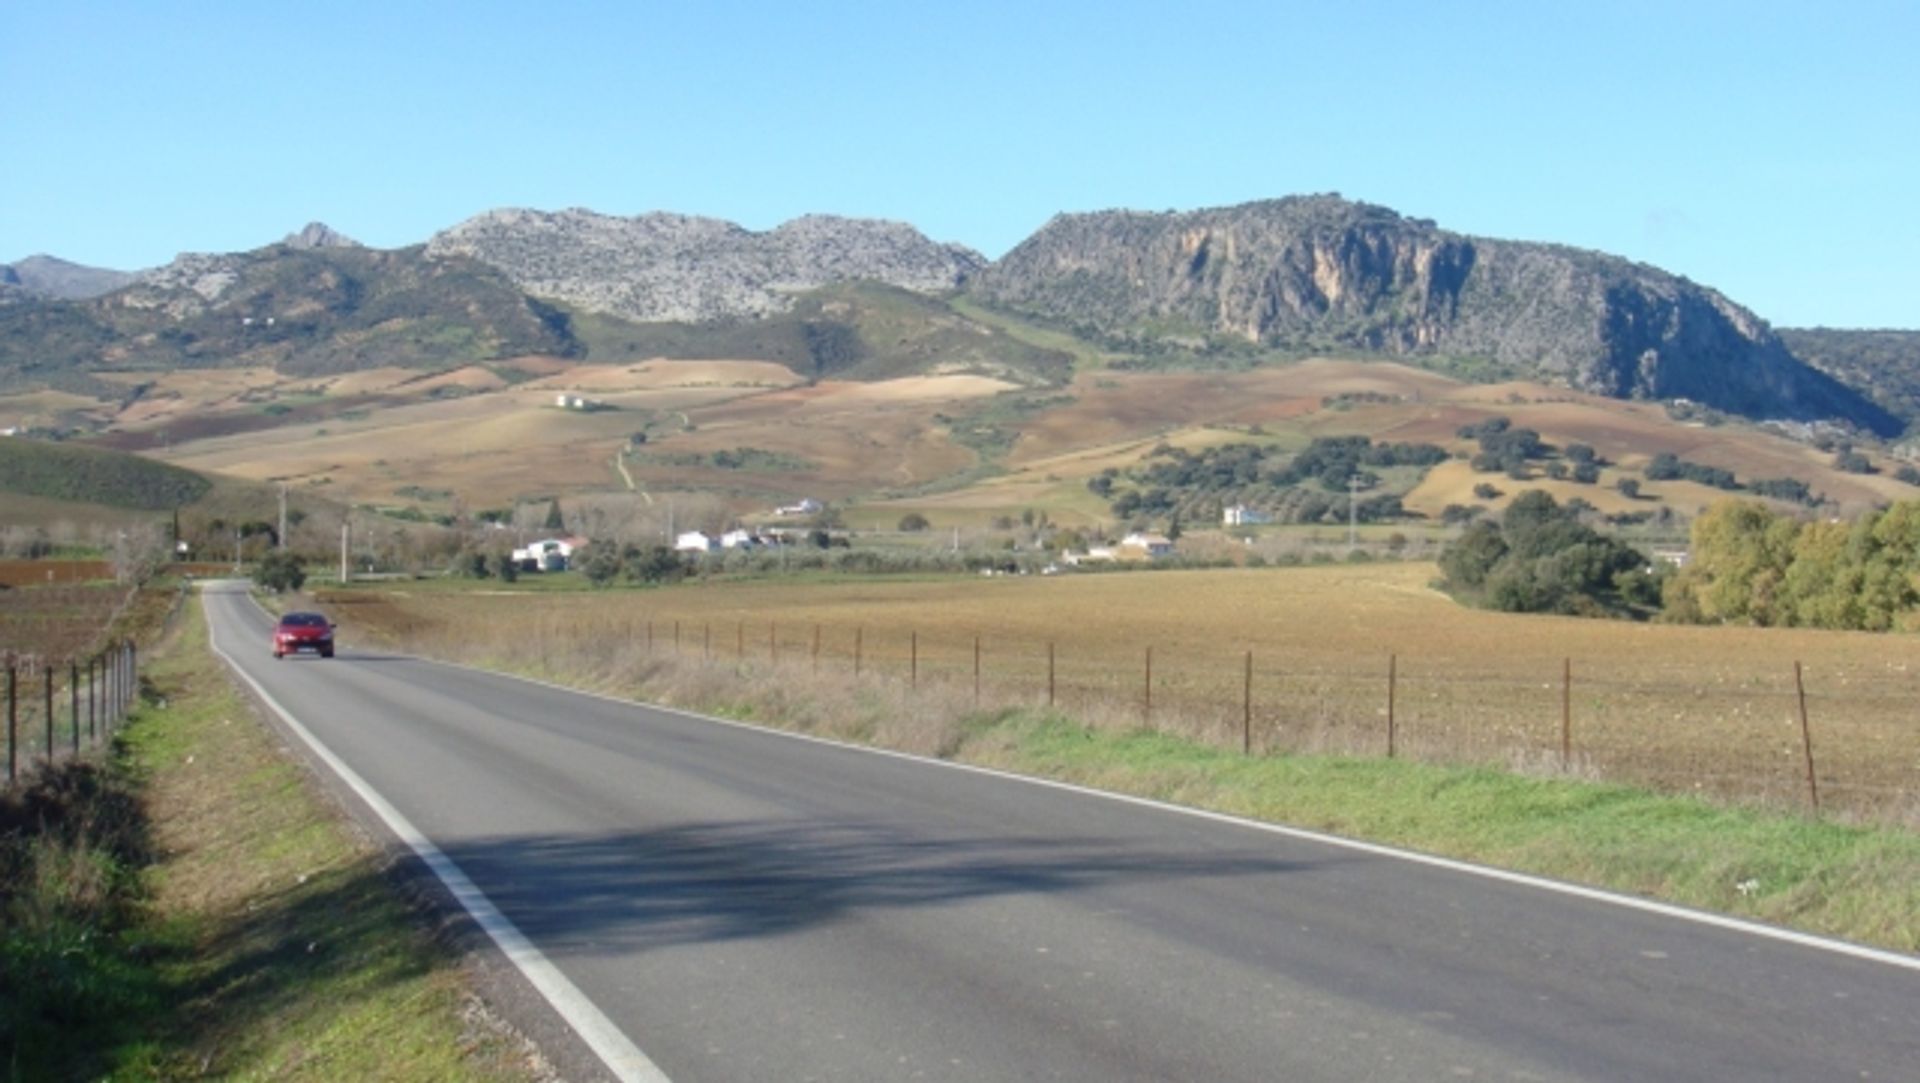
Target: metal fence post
[93,701]
[73,701]
[976,673]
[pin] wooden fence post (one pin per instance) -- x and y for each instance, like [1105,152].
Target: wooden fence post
[816,649]
[773,642]
[649,639]
[976,672]
[740,641]
[1566,713]
[913,660]
[706,641]
[1806,737]
[1147,714]
[93,700]
[856,651]
[13,721]
[73,701]
[1393,666]
[1246,709]
[1049,674]
[46,674]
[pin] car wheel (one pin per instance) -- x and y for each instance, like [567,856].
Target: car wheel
[326,654]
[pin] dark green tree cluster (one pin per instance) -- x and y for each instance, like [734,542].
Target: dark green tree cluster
[1174,481]
[1667,466]
[603,562]
[1540,558]
[1751,565]
[279,571]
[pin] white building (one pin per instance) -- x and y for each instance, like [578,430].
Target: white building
[1152,545]
[695,541]
[740,539]
[1241,515]
[549,554]
[808,506]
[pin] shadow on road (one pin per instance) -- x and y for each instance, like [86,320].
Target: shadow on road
[722,881]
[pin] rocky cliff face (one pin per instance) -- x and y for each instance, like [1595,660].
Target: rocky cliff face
[1320,272]
[676,267]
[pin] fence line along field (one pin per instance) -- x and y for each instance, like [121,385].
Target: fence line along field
[1346,659]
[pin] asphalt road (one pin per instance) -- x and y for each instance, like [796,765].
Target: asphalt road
[743,905]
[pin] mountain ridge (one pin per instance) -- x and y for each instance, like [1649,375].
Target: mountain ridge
[1321,272]
[1235,285]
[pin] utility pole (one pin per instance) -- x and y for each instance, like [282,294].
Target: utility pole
[236,551]
[280,539]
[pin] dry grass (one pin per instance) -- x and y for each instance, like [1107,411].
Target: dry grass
[1708,711]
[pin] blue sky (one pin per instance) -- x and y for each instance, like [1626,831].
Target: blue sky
[1767,150]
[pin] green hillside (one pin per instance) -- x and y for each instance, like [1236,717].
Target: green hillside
[93,476]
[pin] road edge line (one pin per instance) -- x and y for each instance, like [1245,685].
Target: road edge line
[617,1051]
[1605,896]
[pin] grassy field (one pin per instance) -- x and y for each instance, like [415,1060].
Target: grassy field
[1707,711]
[196,910]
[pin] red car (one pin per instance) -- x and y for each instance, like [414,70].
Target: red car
[298,632]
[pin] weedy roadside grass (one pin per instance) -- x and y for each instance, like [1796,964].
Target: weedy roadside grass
[1774,864]
[242,929]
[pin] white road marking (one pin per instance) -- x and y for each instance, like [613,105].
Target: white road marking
[618,1052]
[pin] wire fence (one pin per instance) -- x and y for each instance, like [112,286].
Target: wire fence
[61,709]
[1837,738]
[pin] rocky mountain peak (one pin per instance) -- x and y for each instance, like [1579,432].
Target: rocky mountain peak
[663,266]
[319,235]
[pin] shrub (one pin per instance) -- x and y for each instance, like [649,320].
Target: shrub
[279,571]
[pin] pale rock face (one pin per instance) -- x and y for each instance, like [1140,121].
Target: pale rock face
[680,267]
[1307,271]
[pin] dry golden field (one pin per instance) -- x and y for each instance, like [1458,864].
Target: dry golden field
[1699,710]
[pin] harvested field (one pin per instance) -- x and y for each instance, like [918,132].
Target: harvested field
[1711,711]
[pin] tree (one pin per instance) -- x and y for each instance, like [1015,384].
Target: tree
[279,571]
[506,567]
[913,521]
[1629,488]
[601,564]
[654,564]
[554,519]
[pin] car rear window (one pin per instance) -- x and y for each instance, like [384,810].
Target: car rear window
[302,620]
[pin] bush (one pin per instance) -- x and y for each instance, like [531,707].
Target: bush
[279,571]
[913,521]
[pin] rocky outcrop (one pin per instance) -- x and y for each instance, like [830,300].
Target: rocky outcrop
[660,267]
[319,235]
[1320,272]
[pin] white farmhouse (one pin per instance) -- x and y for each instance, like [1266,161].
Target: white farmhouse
[1242,515]
[695,541]
[548,554]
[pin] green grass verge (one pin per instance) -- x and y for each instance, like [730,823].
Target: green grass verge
[1855,882]
[264,940]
